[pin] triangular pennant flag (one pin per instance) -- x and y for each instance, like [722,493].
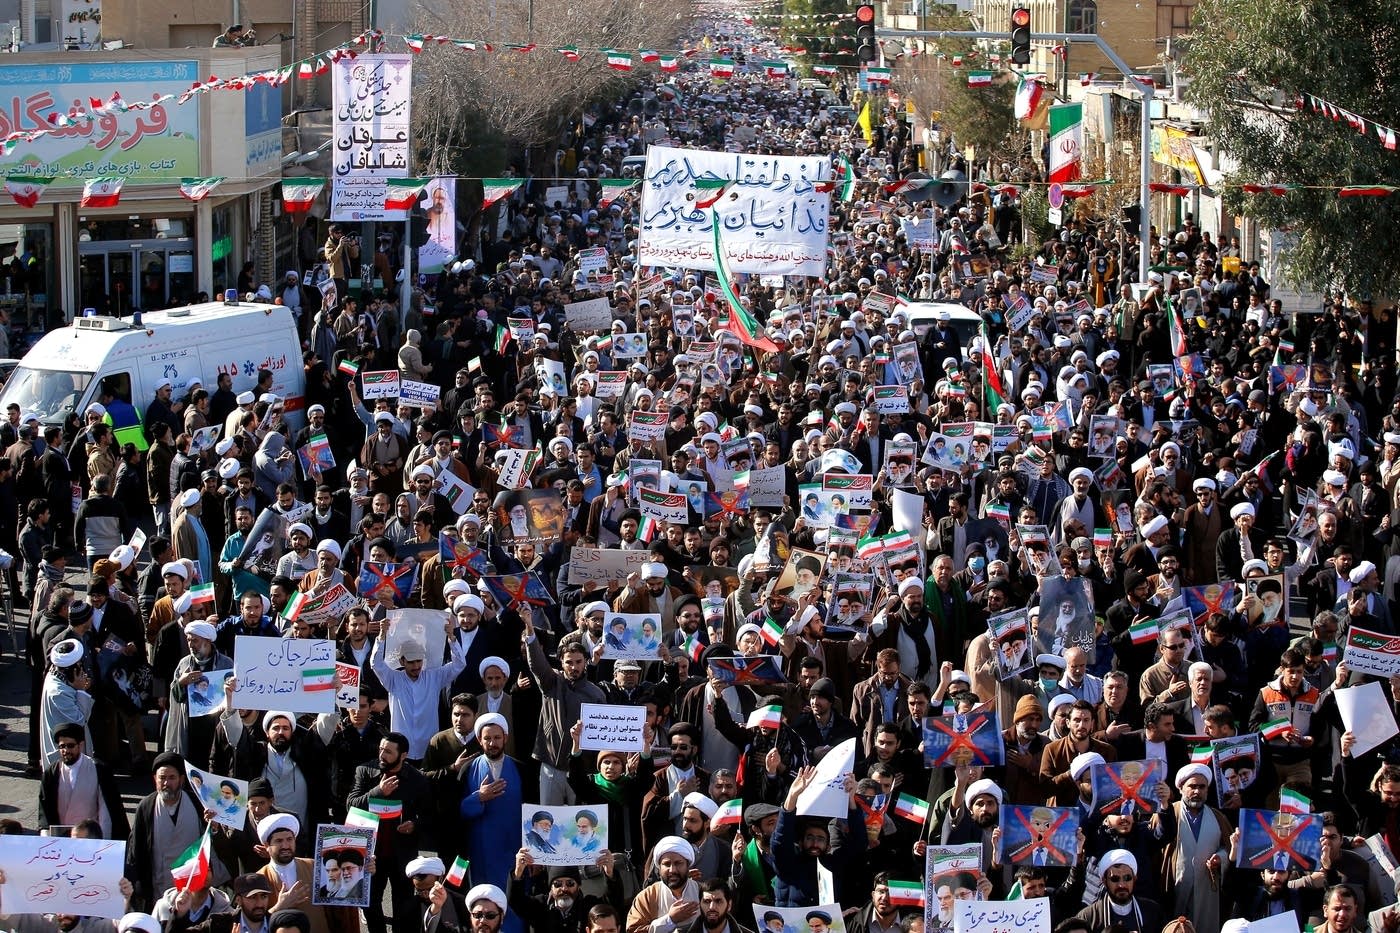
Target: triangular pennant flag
[197,189]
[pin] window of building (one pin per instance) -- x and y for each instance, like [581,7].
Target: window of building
[1082,16]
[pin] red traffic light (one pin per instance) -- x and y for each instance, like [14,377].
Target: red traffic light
[865,13]
[1020,17]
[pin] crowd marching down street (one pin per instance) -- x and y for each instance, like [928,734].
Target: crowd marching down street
[865,575]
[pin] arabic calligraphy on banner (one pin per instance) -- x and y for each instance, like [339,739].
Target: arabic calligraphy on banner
[145,145]
[370,133]
[46,875]
[775,219]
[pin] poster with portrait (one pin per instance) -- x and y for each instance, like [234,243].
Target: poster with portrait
[713,582]
[643,474]
[263,546]
[899,462]
[631,636]
[1103,436]
[737,453]
[629,346]
[1066,617]
[423,627]
[1163,378]
[341,878]
[963,739]
[1010,634]
[1235,760]
[529,514]
[991,534]
[1281,841]
[1128,786]
[550,374]
[801,574]
[1269,607]
[206,695]
[850,595]
[1036,835]
[841,549]
[440,204]
[559,835]
[907,365]
[1205,601]
[824,918]
[951,874]
[225,797]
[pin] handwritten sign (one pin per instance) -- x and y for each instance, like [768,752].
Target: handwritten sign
[767,487]
[1027,916]
[775,219]
[593,314]
[664,506]
[603,565]
[618,728]
[826,795]
[52,875]
[419,394]
[379,383]
[1372,652]
[564,835]
[293,674]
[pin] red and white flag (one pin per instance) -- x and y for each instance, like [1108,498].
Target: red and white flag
[102,192]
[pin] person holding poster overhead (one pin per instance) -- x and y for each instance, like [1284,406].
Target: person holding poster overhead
[799,846]
[414,692]
[293,759]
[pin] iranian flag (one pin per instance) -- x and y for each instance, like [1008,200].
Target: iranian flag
[502,339]
[906,894]
[847,173]
[1366,191]
[670,63]
[728,814]
[620,61]
[297,602]
[911,808]
[362,818]
[824,71]
[348,367]
[26,189]
[568,51]
[906,185]
[897,539]
[400,194]
[979,79]
[1144,631]
[493,189]
[298,194]
[869,548]
[772,630]
[1275,730]
[649,55]
[1276,190]
[386,809]
[775,69]
[316,679]
[991,379]
[721,67]
[203,593]
[1201,755]
[738,321]
[693,648]
[647,529]
[1290,801]
[1030,92]
[102,192]
[614,188]
[1175,331]
[1066,142]
[1161,187]
[458,872]
[197,189]
[191,869]
[877,76]
[766,717]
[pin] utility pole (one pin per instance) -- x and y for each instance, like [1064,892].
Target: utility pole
[1143,88]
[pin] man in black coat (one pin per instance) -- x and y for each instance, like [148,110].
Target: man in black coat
[171,800]
[552,900]
[88,789]
[401,836]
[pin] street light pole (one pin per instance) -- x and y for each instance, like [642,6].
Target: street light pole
[1142,87]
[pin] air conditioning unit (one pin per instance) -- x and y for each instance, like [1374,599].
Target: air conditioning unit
[100,322]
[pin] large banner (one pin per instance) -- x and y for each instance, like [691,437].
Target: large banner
[440,204]
[160,142]
[370,133]
[775,219]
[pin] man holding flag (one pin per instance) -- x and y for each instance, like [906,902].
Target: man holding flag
[168,823]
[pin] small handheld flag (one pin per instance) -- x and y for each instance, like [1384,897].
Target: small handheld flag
[1275,730]
[766,717]
[728,814]
[906,894]
[911,808]
[458,872]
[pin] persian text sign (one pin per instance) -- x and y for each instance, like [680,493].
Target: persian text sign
[292,674]
[774,218]
[57,875]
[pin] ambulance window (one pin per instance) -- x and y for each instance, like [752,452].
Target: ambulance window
[117,385]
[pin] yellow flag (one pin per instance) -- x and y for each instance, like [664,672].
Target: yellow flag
[863,121]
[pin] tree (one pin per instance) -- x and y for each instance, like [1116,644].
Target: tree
[1248,60]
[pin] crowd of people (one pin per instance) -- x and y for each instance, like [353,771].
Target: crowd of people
[1081,545]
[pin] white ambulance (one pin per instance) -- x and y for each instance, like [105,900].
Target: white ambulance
[63,371]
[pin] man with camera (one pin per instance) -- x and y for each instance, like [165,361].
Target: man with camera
[340,251]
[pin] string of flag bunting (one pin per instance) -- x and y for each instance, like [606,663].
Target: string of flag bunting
[1314,104]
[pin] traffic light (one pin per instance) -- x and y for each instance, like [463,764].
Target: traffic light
[1020,35]
[865,33]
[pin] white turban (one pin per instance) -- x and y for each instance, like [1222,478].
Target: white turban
[491,719]
[468,601]
[1334,477]
[454,588]
[1153,525]
[1255,564]
[66,653]
[1083,762]
[1187,772]
[272,714]
[426,865]
[1173,445]
[1115,857]
[1242,508]
[182,603]
[177,568]
[1361,571]
[985,786]
[1077,472]
[1203,483]
[700,802]
[596,606]
[201,630]
[189,498]
[299,527]
[676,844]
[123,554]
[275,821]
[491,662]
[138,921]
[486,892]
[330,547]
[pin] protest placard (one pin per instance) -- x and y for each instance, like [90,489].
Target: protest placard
[328,607]
[418,394]
[664,506]
[593,314]
[225,797]
[1365,713]
[951,873]
[825,918]
[559,835]
[767,487]
[826,795]
[204,438]
[647,425]
[891,400]
[963,739]
[292,674]
[1128,786]
[1371,652]
[603,565]
[1037,835]
[607,726]
[347,685]
[342,855]
[60,875]
[379,383]
[1025,916]
[421,626]
[1278,840]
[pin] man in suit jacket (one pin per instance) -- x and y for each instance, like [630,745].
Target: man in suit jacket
[1056,759]
[873,699]
[400,837]
[1156,739]
[951,531]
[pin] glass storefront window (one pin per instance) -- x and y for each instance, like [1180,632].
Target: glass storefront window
[92,229]
[26,282]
